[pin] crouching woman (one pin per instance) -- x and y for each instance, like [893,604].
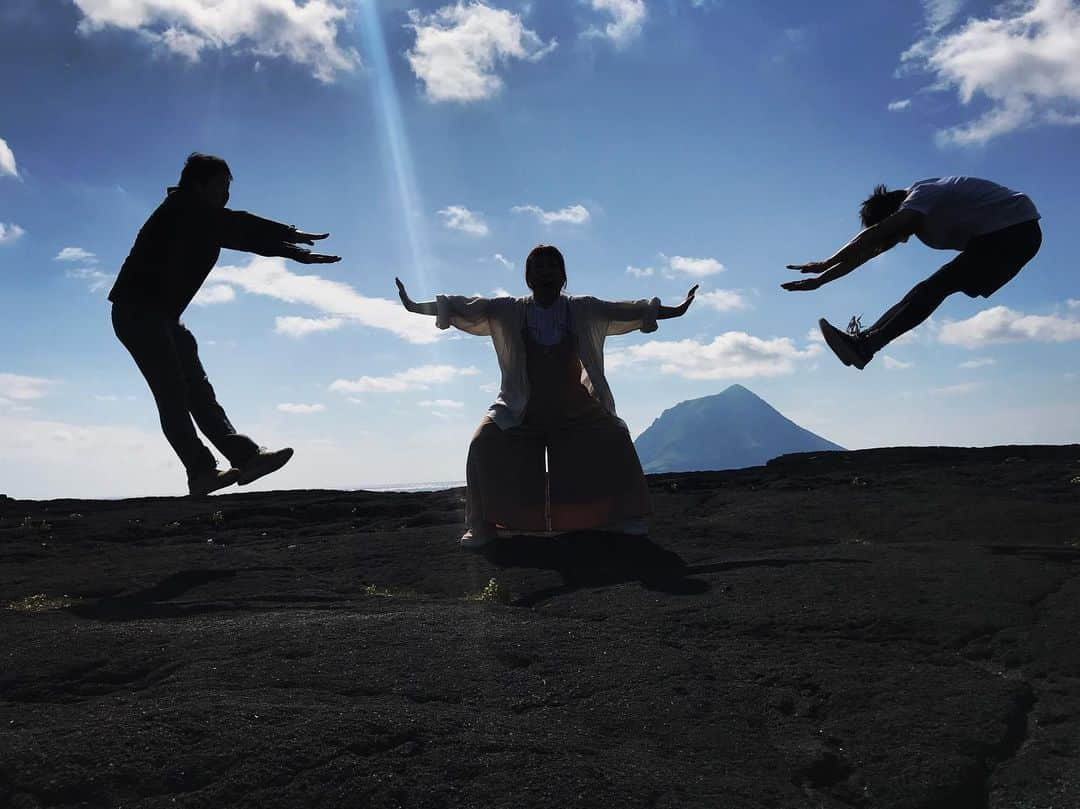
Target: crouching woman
[554,399]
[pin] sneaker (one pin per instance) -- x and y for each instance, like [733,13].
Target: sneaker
[848,347]
[211,481]
[262,463]
[478,537]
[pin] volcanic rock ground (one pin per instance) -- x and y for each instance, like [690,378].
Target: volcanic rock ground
[890,628]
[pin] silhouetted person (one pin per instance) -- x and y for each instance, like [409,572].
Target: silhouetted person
[172,256]
[995,229]
[553,397]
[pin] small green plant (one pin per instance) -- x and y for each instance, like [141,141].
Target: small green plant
[374,591]
[493,593]
[217,519]
[42,603]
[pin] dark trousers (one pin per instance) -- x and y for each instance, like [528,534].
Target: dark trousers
[988,263]
[168,358]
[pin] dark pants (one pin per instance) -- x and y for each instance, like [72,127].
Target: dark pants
[988,263]
[168,358]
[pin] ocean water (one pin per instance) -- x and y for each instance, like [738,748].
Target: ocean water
[413,487]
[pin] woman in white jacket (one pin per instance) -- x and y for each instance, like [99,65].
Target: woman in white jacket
[553,397]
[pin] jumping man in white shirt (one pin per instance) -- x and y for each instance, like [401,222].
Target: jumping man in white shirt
[995,229]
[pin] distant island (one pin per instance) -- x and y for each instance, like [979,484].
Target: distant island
[730,430]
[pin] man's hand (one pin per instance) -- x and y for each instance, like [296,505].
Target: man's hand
[803,285]
[301,237]
[302,255]
[812,266]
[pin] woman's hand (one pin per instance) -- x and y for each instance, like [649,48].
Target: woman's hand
[682,307]
[406,301]
[680,310]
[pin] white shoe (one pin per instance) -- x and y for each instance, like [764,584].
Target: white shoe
[262,463]
[478,537]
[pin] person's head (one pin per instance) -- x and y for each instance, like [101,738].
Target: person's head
[545,273]
[208,177]
[880,205]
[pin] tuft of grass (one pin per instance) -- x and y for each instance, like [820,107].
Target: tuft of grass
[493,593]
[375,591]
[30,524]
[217,519]
[31,605]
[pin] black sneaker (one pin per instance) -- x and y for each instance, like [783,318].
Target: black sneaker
[847,346]
[210,481]
[262,463]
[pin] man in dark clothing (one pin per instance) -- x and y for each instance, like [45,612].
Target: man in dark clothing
[995,229]
[173,254]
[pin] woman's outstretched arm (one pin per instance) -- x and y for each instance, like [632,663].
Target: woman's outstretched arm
[425,308]
[666,312]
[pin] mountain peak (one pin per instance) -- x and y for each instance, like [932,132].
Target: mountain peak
[728,430]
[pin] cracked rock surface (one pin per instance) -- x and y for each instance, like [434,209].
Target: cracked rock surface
[886,628]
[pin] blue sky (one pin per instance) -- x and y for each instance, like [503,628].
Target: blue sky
[659,143]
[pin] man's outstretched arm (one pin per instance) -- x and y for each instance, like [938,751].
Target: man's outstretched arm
[244,231]
[871,242]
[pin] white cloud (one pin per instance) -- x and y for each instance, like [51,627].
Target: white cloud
[490,387]
[1003,325]
[504,261]
[24,388]
[271,277]
[960,389]
[627,19]
[640,272]
[939,13]
[444,404]
[420,378]
[300,409]
[1025,62]
[459,47]
[897,106]
[500,292]
[896,365]
[112,397]
[7,161]
[458,217]
[303,326]
[694,267]
[1073,303]
[303,33]
[76,254]
[732,355]
[570,215]
[214,293]
[95,279]
[723,300]
[9,233]
[979,363]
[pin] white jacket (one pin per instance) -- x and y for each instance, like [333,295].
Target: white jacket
[503,319]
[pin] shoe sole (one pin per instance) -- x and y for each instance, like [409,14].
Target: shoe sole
[261,468]
[222,482]
[834,339]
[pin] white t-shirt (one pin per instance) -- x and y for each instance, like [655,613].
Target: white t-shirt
[957,209]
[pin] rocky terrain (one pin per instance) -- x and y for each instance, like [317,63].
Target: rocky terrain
[888,628]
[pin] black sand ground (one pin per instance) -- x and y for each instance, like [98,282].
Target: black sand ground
[893,628]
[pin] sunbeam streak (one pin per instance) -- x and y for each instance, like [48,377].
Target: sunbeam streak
[392,134]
